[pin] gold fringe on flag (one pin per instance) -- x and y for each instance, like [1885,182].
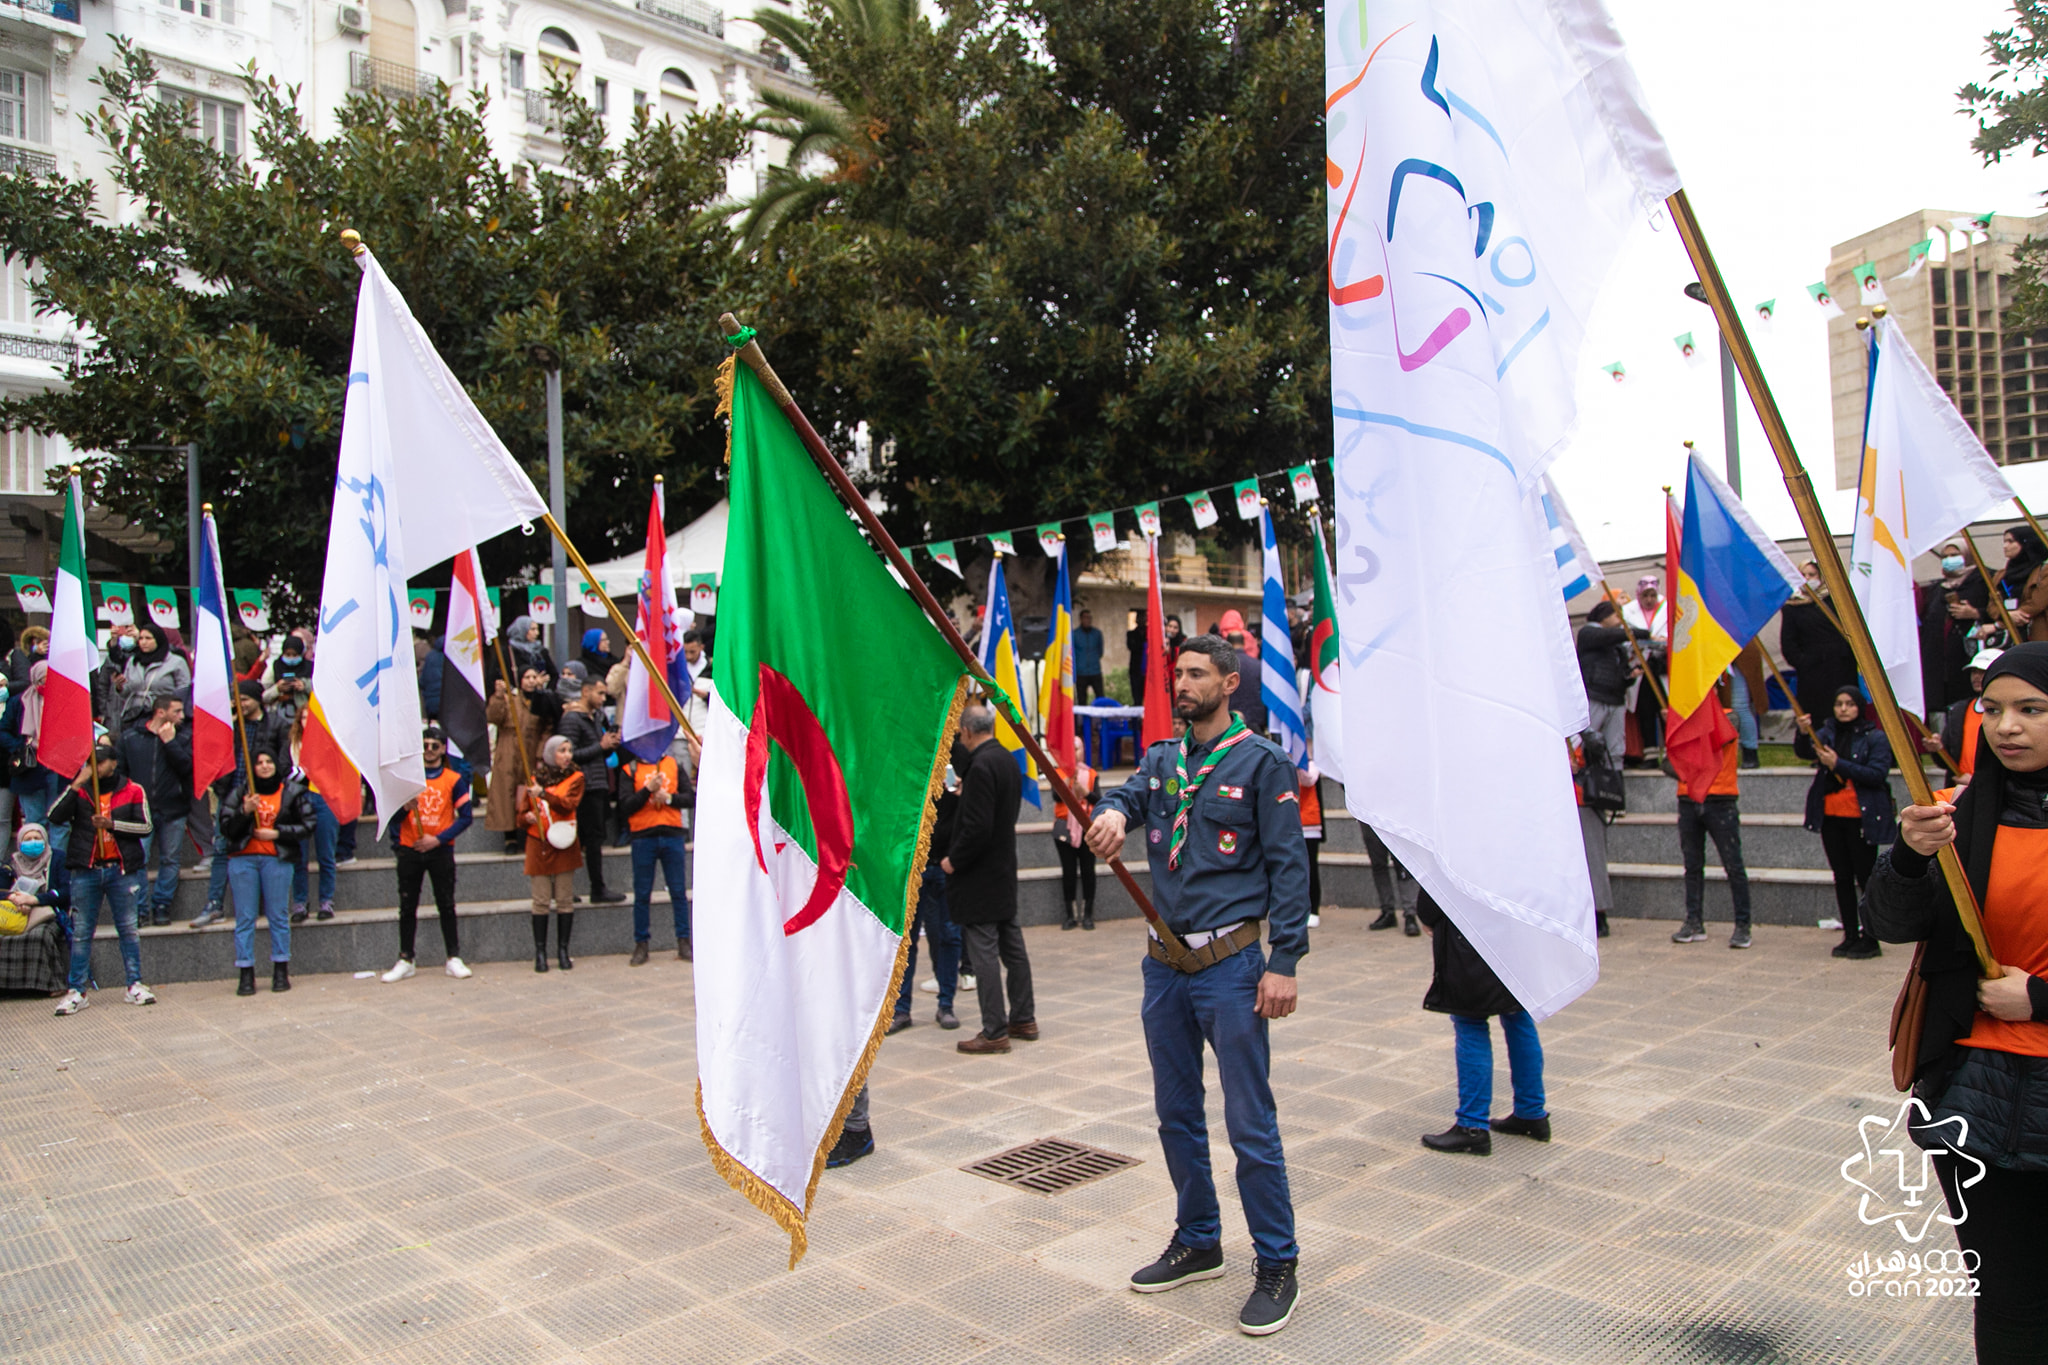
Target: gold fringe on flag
[722,385]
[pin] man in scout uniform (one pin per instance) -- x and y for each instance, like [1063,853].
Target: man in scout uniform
[1222,817]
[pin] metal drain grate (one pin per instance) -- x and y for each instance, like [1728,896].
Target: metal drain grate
[1049,1165]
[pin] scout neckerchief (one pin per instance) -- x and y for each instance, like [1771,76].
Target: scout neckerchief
[1191,787]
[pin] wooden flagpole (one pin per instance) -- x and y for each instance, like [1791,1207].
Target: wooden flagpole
[516,706]
[1828,557]
[751,354]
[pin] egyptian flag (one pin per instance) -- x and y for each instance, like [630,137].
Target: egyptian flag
[462,684]
[66,735]
[213,679]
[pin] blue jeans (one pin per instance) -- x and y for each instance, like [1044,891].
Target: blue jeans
[261,879]
[168,838]
[1745,712]
[119,889]
[325,830]
[936,919]
[1181,1012]
[217,876]
[665,849]
[1475,1068]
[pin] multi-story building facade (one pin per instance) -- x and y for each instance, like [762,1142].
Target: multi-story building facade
[671,57]
[1951,312]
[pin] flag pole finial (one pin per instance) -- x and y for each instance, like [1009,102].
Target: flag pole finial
[353,240]
[206,508]
[77,471]
[1688,446]
[1879,311]
[1863,324]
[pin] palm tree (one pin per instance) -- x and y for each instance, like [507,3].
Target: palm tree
[842,131]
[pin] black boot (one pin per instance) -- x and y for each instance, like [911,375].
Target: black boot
[540,943]
[1088,914]
[1072,920]
[563,923]
[1477,1141]
[280,976]
[1410,925]
[248,986]
[1600,924]
[1387,920]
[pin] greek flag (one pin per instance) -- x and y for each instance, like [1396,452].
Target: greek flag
[1277,687]
[1577,570]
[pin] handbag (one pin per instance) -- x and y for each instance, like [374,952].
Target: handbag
[1909,1015]
[1601,785]
[558,830]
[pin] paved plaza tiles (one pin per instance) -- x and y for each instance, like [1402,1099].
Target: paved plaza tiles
[508,1169]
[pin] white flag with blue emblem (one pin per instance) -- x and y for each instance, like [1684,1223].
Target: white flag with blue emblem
[1577,570]
[1487,159]
[1278,686]
[421,478]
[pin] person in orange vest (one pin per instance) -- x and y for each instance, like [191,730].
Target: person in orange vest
[1076,862]
[1720,815]
[1850,806]
[552,800]
[423,836]
[656,795]
[1959,728]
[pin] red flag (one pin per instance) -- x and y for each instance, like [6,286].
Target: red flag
[329,770]
[1158,698]
[1694,744]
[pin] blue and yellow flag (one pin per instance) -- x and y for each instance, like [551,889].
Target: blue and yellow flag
[1729,580]
[999,657]
[1056,674]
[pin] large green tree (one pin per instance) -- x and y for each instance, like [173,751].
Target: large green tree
[221,305]
[1083,265]
[2011,110]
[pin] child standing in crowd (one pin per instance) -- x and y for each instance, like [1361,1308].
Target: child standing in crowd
[547,810]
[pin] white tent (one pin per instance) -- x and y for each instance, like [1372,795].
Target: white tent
[697,548]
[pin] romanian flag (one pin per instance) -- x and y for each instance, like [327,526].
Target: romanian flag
[999,660]
[1056,674]
[1727,580]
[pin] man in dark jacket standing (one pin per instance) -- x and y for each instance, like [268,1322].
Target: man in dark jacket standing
[1221,809]
[1607,667]
[981,884]
[157,751]
[585,727]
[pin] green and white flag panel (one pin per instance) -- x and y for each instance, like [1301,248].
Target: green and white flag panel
[814,814]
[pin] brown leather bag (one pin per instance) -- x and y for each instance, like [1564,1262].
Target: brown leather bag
[1909,1015]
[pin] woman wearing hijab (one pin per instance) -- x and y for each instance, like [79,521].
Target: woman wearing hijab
[597,660]
[2024,553]
[36,955]
[516,748]
[1849,806]
[152,671]
[551,799]
[529,648]
[1983,1042]
[262,822]
[36,788]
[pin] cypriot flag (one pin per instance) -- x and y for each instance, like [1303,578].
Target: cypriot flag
[1925,476]
[814,803]
[1486,160]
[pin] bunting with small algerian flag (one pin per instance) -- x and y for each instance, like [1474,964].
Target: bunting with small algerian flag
[66,735]
[1727,580]
[213,676]
[814,810]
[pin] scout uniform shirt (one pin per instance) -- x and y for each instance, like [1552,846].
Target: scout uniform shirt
[441,809]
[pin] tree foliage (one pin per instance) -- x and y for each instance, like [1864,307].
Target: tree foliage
[1083,267]
[2011,111]
[221,305]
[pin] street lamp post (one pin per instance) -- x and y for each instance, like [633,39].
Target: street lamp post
[551,364]
[1698,294]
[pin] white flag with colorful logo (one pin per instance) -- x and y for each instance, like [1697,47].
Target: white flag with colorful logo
[1102,527]
[1249,503]
[1148,519]
[1488,160]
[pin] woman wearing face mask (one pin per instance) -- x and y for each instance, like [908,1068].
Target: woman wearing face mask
[1849,806]
[1950,609]
[34,953]
[33,646]
[36,788]
[152,671]
[1983,1055]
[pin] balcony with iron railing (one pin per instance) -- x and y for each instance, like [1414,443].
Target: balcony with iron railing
[30,161]
[540,109]
[694,15]
[394,80]
[48,349]
[64,10]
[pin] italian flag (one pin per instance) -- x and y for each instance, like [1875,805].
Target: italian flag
[66,737]
[814,808]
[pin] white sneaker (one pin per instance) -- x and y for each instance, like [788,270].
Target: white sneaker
[401,972]
[967,981]
[930,985]
[72,1003]
[139,994]
[458,969]
[1314,920]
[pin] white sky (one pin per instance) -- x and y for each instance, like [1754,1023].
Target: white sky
[1782,157]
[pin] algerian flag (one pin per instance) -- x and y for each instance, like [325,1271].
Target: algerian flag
[251,608]
[1326,703]
[1916,259]
[1249,503]
[1003,541]
[1826,300]
[540,605]
[1869,288]
[1148,518]
[1765,313]
[1052,540]
[947,557]
[419,605]
[1971,225]
[163,605]
[704,594]
[1617,372]
[592,603]
[1203,508]
[1695,354]
[115,608]
[1302,479]
[66,735]
[30,593]
[1102,525]
[814,809]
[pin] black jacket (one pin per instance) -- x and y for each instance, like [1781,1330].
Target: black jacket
[1945,646]
[164,770]
[585,734]
[1604,663]
[1822,657]
[1463,983]
[294,819]
[272,730]
[1246,699]
[982,887]
[129,810]
[1866,762]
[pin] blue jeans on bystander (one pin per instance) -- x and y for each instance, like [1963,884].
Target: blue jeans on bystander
[935,918]
[118,888]
[1475,1067]
[261,881]
[162,849]
[664,849]
[326,829]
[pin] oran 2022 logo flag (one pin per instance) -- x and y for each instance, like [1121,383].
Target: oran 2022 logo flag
[814,809]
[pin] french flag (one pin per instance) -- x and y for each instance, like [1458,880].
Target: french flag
[646,724]
[213,689]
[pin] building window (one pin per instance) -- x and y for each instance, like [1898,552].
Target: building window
[601,95]
[559,55]
[223,10]
[21,461]
[217,123]
[639,99]
[678,93]
[22,97]
[515,70]
[1962,286]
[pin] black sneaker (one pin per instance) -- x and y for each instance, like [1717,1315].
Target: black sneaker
[1863,949]
[1692,931]
[1740,938]
[1274,1294]
[1387,920]
[850,1148]
[1178,1265]
[608,898]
